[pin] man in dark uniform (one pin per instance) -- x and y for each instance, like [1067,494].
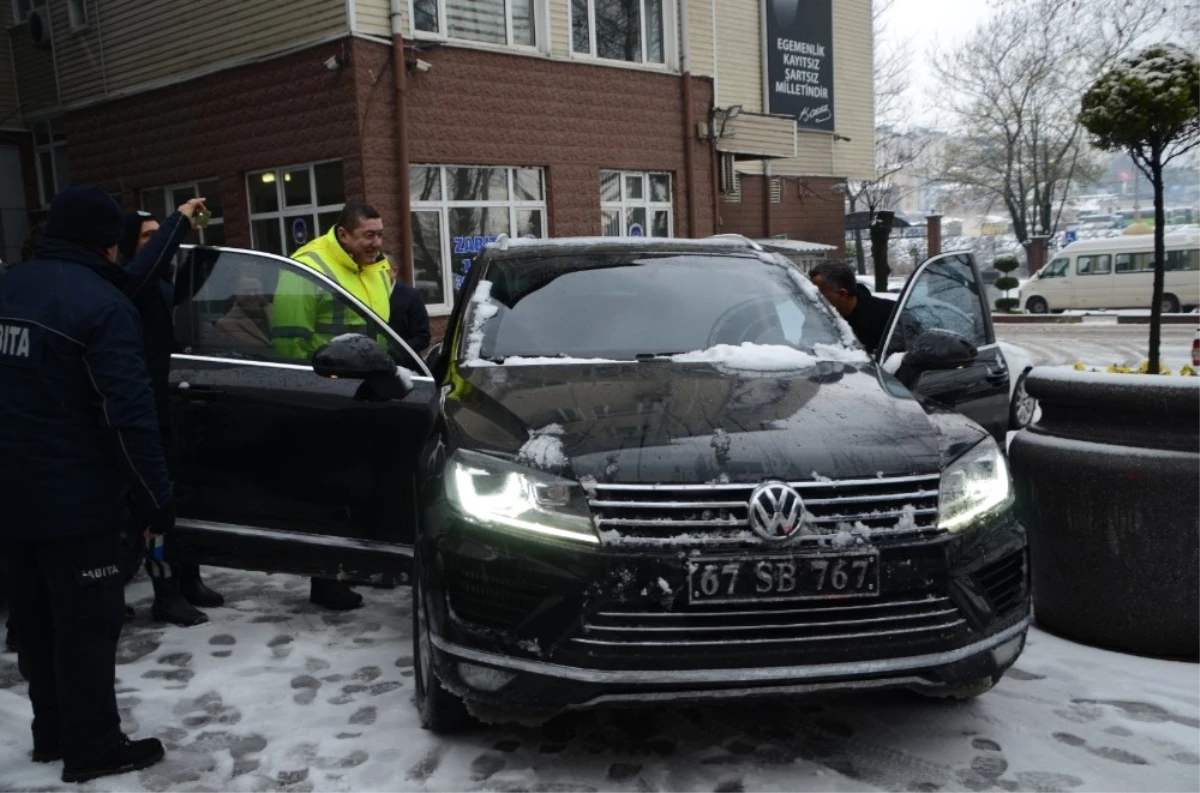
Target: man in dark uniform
[409,317]
[78,433]
[178,588]
[866,314]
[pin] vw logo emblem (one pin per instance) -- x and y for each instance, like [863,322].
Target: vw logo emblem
[776,511]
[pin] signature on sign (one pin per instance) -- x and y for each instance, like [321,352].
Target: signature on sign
[815,115]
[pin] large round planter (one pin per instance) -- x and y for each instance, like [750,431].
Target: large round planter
[1108,484]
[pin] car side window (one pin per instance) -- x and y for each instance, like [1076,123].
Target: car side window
[944,296]
[245,306]
[1100,264]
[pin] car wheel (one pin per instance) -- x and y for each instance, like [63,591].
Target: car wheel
[1170,304]
[440,711]
[1023,407]
[132,553]
[1037,305]
[968,690]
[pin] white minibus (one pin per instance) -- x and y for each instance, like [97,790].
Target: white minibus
[1116,273]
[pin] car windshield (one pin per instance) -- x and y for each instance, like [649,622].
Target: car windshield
[622,306]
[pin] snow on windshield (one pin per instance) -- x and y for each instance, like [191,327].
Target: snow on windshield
[483,309]
[771,357]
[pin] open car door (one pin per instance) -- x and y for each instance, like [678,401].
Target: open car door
[945,296]
[276,467]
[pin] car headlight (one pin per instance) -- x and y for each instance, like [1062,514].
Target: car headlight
[506,496]
[973,486]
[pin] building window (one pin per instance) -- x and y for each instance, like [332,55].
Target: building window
[290,207]
[77,13]
[457,210]
[21,10]
[50,154]
[162,201]
[619,30]
[504,22]
[634,204]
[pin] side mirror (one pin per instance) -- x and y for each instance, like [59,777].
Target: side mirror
[939,349]
[353,356]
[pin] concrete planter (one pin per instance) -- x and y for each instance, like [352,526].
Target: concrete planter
[1108,482]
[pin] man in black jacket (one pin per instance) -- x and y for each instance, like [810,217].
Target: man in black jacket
[408,315]
[78,434]
[866,314]
[148,249]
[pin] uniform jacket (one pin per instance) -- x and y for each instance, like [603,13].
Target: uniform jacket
[78,427]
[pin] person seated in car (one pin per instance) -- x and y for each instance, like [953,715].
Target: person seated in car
[866,314]
[246,326]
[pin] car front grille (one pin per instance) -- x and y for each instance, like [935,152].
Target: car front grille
[718,514]
[899,624]
[1004,581]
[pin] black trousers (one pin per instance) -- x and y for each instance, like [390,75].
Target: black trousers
[67,605]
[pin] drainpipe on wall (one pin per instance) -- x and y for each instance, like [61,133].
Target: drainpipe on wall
[767,231]
[689,122]
[400,78]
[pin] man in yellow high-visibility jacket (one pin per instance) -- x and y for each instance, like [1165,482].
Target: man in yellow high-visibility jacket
[305,317]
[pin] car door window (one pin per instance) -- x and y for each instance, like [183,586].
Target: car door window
[1094,265]
[246,306]
[944,296]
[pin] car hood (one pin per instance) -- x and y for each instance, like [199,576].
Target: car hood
[672,422]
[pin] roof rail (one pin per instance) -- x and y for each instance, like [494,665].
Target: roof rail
[741,237]
[502,241]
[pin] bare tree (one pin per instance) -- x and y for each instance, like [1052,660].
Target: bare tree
[1011,90]
[895,145]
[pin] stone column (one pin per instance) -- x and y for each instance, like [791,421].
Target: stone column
[933,234]
[1037,252]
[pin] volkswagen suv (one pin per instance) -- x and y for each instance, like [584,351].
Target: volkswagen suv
[636,470]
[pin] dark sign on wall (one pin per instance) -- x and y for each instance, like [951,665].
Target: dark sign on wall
[799,51]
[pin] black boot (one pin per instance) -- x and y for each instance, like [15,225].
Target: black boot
[124,757]
[335,595]
[170,606]
[194,589]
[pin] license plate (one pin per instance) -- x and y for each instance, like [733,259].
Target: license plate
[776,578]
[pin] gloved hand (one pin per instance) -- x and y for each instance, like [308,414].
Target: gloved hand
[162,520]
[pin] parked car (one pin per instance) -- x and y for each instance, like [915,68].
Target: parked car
[637,470]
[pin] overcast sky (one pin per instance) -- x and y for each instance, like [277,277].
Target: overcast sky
[924,24]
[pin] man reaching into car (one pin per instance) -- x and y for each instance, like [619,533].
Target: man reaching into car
[866,314]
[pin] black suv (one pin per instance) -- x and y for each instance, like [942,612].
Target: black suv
[636,471]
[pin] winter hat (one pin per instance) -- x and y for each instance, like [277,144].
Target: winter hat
[86,216]
[133,230]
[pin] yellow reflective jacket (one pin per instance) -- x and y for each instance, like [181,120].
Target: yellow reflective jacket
[305,316]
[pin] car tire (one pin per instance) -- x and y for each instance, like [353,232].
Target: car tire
[1023,407]
[1170,304]
[1037,305]
[961,691]
[440,711]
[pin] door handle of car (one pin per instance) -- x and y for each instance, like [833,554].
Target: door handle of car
[197,393]
[997,375]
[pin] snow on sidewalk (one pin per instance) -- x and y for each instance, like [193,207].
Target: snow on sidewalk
[275,694]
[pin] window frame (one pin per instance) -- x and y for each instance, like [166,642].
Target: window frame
[443,205]
[283,211]
[540,28]
[1092,258]
[53,147]
[168,203]
[670,35]
[645,202]
[20,18]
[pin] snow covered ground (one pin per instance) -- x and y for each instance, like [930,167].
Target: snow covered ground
[275,694]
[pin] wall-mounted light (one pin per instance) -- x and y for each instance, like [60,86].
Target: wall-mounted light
[720,117]
[840,137]
[418,65]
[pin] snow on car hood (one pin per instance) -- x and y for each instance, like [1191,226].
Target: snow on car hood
[696,420]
